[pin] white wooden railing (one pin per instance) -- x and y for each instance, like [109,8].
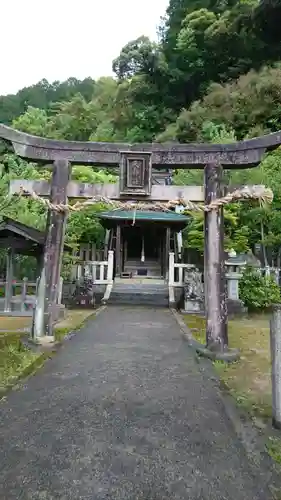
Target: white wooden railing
[100,272]
[89,253]
[25,300]
[177,271]
[273,272]
[176,276]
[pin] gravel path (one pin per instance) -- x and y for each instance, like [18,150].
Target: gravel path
[123,412]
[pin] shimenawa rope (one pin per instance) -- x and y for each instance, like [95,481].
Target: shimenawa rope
[260,193]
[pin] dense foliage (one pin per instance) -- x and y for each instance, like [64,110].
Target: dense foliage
[42,95]
[214,76]
[258,292]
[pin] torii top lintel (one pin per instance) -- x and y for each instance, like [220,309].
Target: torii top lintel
[241,154]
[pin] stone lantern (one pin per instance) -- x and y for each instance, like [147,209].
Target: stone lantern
[234,266]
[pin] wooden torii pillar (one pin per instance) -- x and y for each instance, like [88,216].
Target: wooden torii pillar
[136,161]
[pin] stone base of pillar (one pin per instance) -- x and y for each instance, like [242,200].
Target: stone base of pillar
[44,341]
[235,307]
[60,312]
[228,355]
[192,306]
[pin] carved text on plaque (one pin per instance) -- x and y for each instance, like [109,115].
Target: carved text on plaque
[135,172]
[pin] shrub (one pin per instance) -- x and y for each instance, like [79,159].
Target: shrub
[258,292]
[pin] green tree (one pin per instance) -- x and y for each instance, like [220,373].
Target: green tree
[236,236]
[140,56]
[42,95]
[22,209]
[34,121]
[246,106]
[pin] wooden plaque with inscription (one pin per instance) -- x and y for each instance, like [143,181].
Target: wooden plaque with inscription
[135,173]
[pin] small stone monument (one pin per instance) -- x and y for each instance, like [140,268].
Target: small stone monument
[193,290]
[234,265]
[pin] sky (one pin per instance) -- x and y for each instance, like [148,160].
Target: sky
[56,39]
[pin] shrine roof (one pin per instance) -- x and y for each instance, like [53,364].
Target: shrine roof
[15,227]
[22,237]
[145,215]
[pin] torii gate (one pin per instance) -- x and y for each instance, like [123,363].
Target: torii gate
[136,161]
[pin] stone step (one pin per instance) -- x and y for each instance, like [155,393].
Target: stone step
[151,269]
[138,294]
[153,294]
[140,288]
[135,299]
[147,281]
[125,293]
[137,262]
[134,267]
[138,266]
[139,270]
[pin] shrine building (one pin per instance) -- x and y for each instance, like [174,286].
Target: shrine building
[142,239]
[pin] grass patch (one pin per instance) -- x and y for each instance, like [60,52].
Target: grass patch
[9,338]
[16,360]
[273,448]
[249,379]
[15,323]
[197,326]
[74,319]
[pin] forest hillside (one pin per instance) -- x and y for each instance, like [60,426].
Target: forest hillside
[214,76]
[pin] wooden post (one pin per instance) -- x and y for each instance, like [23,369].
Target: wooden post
[23,293]
[275,345]
[39,261]
[54,243]
[79,272]
[59,298]
[110,266]
[37,328]
[9,280]
[214,279]
[167,251]
[73,273]
[106,243]
[118,250]
[125,251]
[171,269]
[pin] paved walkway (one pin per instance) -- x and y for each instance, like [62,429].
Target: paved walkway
[122,412]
